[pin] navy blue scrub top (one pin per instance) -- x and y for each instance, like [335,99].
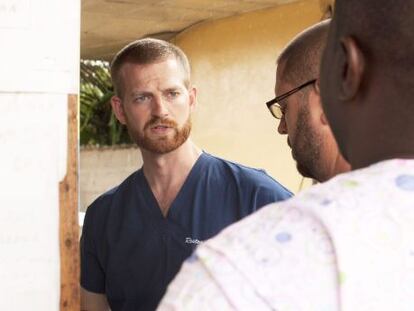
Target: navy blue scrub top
[130,251]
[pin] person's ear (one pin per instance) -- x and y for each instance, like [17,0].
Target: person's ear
[353,68]
[322,116]
[193,97]
[118,109]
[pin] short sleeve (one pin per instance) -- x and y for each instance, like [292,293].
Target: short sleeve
[270,193]
[92,274]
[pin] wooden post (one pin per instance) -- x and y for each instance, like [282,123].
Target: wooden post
[68,219]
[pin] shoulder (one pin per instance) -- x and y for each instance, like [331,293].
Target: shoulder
[281,222]
[292,220]
[107,201]
[267,249]
[354,197]
[247,176]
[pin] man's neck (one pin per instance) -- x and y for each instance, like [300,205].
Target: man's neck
[335,164]
[363,152]
[158,167]
[376,158]
[341,165]
[166,173]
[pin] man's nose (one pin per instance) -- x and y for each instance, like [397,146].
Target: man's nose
[282,129]
[159,107]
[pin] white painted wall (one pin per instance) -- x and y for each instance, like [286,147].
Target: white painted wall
[39,60]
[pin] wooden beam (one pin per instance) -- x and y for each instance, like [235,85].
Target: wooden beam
[68,219]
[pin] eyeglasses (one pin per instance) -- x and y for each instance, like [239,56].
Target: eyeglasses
[274,106]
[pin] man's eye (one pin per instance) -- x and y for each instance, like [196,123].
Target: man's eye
[141,98]
[283,109]
[173,94]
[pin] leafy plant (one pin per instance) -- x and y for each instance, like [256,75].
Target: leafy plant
[98,125]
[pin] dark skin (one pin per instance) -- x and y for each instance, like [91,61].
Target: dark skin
[368,108]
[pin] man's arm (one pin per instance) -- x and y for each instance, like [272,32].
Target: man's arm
[92,274]
[93,302]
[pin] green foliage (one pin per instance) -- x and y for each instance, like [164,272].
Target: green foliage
[98,125]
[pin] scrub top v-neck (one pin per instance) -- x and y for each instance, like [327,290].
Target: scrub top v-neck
[185,189]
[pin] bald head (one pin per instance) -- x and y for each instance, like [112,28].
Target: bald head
[301,57]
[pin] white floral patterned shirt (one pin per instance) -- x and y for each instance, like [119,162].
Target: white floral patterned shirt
[347,244]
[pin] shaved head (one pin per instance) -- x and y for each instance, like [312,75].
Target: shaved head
[301,57]
[383,29]
[146,51]
[309,136]
[367,79]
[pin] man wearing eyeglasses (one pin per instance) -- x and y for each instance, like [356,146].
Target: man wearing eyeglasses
[298,106]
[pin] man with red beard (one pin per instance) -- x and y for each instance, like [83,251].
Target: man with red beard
[136,236]
[298,106]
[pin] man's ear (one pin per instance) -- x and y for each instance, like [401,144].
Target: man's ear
[118,109]
[193,97]
[353,68]
[322,116]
